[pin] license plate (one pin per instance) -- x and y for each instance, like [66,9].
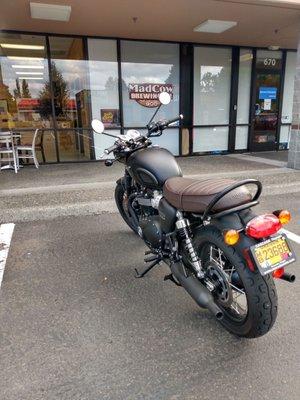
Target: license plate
[274,253]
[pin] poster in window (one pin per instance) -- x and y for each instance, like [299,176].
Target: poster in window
[110,116]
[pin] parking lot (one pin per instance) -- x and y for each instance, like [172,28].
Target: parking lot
[76,324]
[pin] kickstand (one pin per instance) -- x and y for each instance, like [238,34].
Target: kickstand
[146,270]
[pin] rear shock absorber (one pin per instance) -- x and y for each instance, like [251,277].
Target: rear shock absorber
[184,232]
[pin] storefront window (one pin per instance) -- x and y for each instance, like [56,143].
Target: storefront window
[210,139]
[23,82]
[285,133]
[71,96]
[288,93]
[241,137]
[104,94]
[287,101]
[212,76]
[147,69]
[212,71]
[244,88]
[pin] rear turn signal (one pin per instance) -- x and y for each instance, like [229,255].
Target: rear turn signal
[284,216]
[231,237]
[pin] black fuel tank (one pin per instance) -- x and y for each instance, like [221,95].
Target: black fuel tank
[152,166]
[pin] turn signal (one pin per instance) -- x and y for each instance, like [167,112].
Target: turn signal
[284,216]
[231,237]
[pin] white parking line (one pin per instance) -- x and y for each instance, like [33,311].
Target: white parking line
[292,236]
[6,232]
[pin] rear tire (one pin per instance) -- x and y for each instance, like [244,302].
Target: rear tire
[260,291]
[120,202]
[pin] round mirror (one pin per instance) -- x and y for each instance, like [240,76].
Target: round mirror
[164,98]
[98,126]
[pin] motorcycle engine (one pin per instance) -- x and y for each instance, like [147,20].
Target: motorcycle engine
[151,231]
[149,220]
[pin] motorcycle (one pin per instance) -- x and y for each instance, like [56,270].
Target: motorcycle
[225,256]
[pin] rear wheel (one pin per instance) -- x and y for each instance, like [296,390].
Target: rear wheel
[122,204]
[247,299]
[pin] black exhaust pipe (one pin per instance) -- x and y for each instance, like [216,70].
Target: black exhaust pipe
[196,290]
[288,277]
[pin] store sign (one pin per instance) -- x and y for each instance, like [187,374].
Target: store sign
[267,93]
[146,94]
[268,63]
[28,104]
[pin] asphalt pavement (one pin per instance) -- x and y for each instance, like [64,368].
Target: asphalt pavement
[76,324]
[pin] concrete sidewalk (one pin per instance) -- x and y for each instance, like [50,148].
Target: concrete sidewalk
[87,188]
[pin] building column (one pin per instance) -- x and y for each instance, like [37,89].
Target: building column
[294,148]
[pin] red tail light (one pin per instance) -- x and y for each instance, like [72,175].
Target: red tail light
[278,273]
[248,260]
[263,226]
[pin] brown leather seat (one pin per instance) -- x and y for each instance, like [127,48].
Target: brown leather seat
[194,194]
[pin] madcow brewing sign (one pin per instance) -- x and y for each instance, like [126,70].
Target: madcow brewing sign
[146,94]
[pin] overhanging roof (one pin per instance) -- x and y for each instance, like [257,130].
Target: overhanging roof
[260,23]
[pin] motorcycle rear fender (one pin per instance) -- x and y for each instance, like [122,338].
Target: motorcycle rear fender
[236,221]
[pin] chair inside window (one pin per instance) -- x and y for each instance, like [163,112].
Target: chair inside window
[8,150]
[30,150]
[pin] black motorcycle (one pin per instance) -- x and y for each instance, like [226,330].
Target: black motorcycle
[217,249]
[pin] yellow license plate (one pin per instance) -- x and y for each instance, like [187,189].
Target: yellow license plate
[272,254]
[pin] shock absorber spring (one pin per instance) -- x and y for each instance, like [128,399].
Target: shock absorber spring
[184,232]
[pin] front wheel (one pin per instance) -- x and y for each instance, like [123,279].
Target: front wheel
[122,204]
[248,299]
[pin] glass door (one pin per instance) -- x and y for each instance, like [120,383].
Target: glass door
[264,124]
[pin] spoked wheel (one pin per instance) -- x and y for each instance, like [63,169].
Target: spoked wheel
[122,204]
[248,299]
[230,293]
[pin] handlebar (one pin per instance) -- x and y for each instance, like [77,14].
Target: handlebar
[156,127]
[171,121]
[161,125]
[111,149]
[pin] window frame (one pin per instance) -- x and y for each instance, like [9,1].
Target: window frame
[185,93]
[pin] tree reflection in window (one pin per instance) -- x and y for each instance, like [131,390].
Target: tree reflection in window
[60,95]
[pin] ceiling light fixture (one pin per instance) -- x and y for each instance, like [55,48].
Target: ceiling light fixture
[22,46]
[214,26]
[28,66]
[31,77]
[25,58]
[53,12]
[246,57]
[273,47]
[28,73]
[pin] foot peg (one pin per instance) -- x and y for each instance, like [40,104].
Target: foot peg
[171,278]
